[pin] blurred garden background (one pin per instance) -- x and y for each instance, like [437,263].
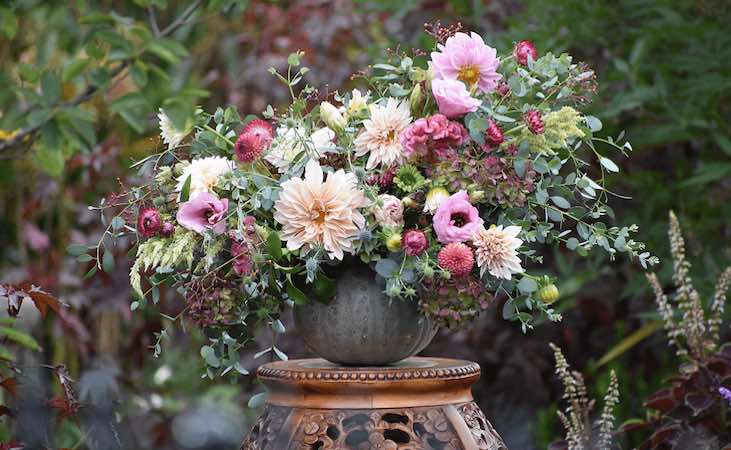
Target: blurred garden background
[81,82]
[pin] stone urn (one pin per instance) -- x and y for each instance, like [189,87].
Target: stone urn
[360,325]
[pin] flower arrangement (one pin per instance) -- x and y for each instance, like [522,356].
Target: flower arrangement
[445,175]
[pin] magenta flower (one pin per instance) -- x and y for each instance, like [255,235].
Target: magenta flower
[456,220]
[414,242]
[534,121]
[466,58]
[522,50]
[452,98]
[204,211]
[149,222]
[256,137]
[494,135]
[432,133]
[167,229]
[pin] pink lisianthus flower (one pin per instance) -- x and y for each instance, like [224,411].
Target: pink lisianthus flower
[466,58]
[436,133]
[452,98]
[456,220]
[203,212]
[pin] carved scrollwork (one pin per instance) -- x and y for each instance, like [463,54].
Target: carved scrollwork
[266,429]
[482,431]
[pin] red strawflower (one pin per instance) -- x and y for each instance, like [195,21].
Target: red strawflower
[521,51]
[256,137]
[494,136]
[457,258]
[534,121]
[149,222]
[414,242]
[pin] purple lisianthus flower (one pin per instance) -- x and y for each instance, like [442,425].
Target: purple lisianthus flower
[204,211]
[468,59]
[725,393]
[456,220]
[452,98]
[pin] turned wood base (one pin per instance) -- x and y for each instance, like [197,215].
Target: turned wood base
[420,403]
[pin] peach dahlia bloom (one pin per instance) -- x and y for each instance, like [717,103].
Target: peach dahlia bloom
[381,137]
[314,211]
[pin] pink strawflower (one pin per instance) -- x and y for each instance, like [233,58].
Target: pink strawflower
[414,242]
[456,220]
[149,222]
[521,51]
[203,212]
[457,258]
[453,98]
[242,264]
[494,135]
[167,229]
[254,139]
[435,133]
[534,121]
[466,58]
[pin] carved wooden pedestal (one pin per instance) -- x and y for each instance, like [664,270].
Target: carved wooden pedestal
[420,403]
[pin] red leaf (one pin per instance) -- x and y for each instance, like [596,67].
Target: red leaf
[698,403]
[5,411]
[42,299]
[11,384]
[12,445]
[661,436]
[64,407]
[662,400]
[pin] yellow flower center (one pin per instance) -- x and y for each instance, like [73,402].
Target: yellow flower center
[469,74]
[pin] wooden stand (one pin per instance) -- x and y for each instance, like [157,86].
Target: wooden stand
[420,403]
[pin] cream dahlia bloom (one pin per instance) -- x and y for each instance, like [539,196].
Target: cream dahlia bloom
[204,174]
[382,134]
[170,135]
[316,211]
[290,142]
[496,250]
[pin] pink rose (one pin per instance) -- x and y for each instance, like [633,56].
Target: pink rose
[452,98]
[456,220]
[390,213]
[204,211]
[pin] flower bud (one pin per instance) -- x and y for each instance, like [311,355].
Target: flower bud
[416,99]
[548,294]
[332,117]
[393,242]
[408,202]
[428,271]
[434,198]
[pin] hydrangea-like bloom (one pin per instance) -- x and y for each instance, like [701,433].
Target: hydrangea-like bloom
[466,58]
[456,220]
[496,249]
[434,132]
[457,258]
[314,211]
[204,211]
[452,98]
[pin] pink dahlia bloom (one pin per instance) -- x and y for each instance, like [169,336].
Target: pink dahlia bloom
[432,133]
[456,220]
[414,242]
[466,58]
[522,50]
[457,258]
[203,212]
[149,222]
[452,98]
